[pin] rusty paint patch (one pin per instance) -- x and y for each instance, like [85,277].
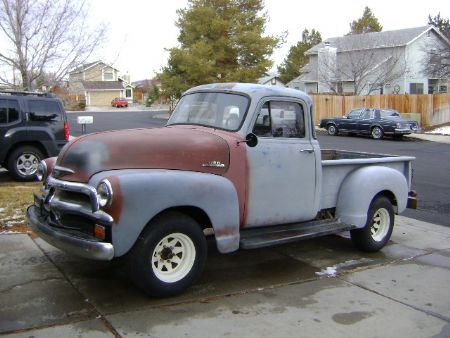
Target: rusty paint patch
[161,148]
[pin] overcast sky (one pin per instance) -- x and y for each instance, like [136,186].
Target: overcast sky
[140,30]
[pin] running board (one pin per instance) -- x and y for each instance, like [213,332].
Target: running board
[280,234]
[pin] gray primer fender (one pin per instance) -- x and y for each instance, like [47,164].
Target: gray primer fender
[361,186]
[147,192]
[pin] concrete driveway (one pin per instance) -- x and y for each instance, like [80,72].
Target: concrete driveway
[321,287]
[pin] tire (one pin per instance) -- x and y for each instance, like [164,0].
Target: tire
[378,228]
[23,163]
[169,255]
[332,130]
[377,133]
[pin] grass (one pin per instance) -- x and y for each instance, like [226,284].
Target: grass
[15,197]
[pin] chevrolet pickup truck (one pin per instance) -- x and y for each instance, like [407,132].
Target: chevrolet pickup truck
[239,162]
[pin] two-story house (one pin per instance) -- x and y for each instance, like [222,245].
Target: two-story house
[99,83]
[374,63]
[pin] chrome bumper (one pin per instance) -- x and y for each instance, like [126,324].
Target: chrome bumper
[78,246]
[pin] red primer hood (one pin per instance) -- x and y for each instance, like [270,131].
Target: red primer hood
[159,148]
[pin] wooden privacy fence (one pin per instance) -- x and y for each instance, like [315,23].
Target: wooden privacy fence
[434,109]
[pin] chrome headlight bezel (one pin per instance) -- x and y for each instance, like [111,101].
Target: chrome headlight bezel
[104,193]
[42,171]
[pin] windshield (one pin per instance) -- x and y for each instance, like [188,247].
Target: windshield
[217,110]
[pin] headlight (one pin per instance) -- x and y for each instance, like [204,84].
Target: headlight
[104,193]
[41,172]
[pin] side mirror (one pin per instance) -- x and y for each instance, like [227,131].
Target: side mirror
[251,140]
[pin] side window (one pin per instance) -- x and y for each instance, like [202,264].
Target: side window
[9,111]
[280,119]
[367,114]
[48,110]
[262,125]
[354,114]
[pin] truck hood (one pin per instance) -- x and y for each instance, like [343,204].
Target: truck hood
[159,148]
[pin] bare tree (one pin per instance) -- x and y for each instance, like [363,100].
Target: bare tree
[362,63]
[44,39]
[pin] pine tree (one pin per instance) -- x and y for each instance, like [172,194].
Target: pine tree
[440,23]
[220,41]
[366,24]
[296,58]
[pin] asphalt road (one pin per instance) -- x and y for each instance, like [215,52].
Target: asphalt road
[120,119]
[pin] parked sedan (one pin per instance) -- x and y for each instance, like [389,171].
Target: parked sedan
[376,122]
[119,102]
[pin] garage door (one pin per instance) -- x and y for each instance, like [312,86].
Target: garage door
[102,98]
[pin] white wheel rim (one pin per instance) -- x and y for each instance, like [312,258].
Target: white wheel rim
[380,224]
[331,129]
[27,164]
[173,257]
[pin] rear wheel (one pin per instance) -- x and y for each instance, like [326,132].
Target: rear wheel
[332,130]
[169,256]
[23,163]
[378,228]
[377,133]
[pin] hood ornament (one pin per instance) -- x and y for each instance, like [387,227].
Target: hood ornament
[214,164]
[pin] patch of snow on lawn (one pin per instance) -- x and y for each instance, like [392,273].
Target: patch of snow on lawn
[442,131]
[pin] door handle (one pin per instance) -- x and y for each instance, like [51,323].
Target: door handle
[309,151]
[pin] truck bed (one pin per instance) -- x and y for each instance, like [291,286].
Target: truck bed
[338,164]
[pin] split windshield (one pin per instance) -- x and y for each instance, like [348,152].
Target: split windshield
[216,110]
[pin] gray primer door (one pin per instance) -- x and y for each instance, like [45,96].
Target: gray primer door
[282,167]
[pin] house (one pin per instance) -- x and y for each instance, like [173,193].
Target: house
[97,84]
[271,79]
[374,63]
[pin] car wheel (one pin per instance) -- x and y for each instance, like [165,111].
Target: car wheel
[332,130]
[377,133]
[169,256]
[23,163]
[378,228]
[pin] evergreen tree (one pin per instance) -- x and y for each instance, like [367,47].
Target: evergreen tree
[442,24]
[366,24]
[296,58]
[220,41]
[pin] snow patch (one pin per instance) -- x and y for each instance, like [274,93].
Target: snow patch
[441,131]
[330,271]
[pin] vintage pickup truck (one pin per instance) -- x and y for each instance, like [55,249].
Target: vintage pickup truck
[240,162]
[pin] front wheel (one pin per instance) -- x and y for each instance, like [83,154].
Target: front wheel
[23,163]
[332,130]
[378,228]
[169,256]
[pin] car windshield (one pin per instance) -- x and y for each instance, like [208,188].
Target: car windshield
[216,110]
[387,113]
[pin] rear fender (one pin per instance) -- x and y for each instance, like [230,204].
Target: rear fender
[360,187]
[140,195]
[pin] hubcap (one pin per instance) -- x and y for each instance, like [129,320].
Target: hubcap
[173,257]
[380,225]
[376,132]
[27,164]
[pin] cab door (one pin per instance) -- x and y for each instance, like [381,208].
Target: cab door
[282,167]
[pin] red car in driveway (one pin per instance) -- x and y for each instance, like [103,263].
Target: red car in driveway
[119,102]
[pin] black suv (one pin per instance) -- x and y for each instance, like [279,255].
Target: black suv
[33,126]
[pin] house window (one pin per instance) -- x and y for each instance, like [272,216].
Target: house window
[128,92]
[416,88]
[108,76]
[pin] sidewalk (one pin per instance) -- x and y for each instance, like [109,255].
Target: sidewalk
[322,287]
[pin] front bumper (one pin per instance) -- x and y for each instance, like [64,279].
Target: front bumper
[67,241]
[405,131]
